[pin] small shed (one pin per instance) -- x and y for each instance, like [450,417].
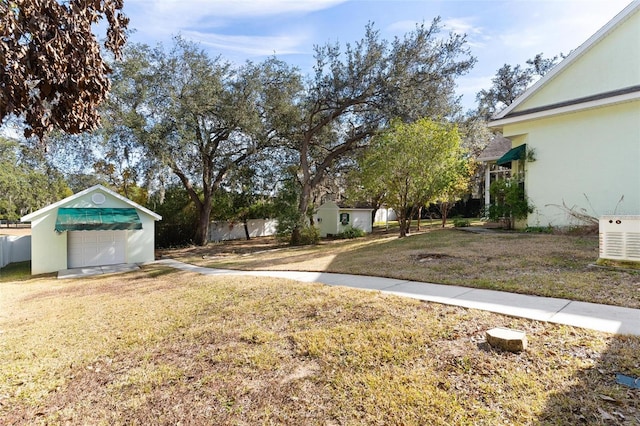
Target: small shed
[332,219]
[94,227]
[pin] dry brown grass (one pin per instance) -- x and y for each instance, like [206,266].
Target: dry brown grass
[160,346]
[19,230]
[539,264]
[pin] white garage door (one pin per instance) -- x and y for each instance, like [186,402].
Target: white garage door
[96,248]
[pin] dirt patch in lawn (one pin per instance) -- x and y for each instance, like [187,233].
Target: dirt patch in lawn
[430,257]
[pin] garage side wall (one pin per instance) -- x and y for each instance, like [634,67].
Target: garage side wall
[140,243]
[48,248]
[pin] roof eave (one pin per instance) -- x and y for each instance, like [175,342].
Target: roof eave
[628,97]
[571,58]
[31,216]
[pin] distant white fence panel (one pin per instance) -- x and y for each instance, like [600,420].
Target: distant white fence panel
[225,231]
[383,215]
[14,249]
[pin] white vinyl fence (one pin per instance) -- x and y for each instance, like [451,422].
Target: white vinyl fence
[14,249]
[384,215]
[224,231]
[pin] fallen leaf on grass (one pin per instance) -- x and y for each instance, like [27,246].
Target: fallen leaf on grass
[605,415]
[607,398]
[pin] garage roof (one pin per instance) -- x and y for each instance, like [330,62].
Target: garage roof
[96,188]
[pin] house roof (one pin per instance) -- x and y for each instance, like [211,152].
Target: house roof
[334,206]
[61,203]
[508,115]
[497,147]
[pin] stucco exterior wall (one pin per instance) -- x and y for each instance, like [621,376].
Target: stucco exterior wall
[327,219]
[358,218]
[141,243]
[611,64]
[593,153]
[49,248]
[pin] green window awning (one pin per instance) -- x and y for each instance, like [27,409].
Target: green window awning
[97,219]
[517,153]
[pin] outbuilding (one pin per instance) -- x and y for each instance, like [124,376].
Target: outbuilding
[94,227]
[333,219]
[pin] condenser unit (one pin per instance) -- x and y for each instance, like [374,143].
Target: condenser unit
[620,238]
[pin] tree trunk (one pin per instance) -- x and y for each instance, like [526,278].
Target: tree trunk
[246,229]
[404,220]
[445,212]
[201,238]
[303,206]
[419,216]
[403,227]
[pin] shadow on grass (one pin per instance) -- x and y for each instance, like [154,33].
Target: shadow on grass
[149,279]
[591,395]
[158,271]
[19,271]
[595,398]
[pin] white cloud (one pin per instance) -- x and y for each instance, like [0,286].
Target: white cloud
[195,9]
[470,85]
[465,25]
[402,27]
[249,45]
[201,20]
[462,26]
[557,26]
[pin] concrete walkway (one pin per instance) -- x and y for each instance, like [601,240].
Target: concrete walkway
[611,319]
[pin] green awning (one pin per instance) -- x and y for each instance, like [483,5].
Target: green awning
[517,153]
[97,219]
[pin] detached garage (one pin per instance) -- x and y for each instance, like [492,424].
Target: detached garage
[95,227]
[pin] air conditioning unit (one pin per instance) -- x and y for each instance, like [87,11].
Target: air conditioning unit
[620,238]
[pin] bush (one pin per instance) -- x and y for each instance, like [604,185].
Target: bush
[510,201]
[539,229]
[169,235]
[459,222]
[350,233]
[309,235]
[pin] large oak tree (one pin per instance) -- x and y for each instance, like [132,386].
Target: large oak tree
[356,92]
[198,116]
[511,82]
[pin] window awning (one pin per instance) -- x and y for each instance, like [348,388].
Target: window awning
[517,153]
[97,219]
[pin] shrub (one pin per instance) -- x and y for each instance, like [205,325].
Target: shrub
[539,229]
[173,235]
[350,233]
[510,201]
[309,235]
[459,222]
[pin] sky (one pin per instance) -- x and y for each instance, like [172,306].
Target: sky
[498,32]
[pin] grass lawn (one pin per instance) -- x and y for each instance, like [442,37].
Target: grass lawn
[539,264]
[159,346]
